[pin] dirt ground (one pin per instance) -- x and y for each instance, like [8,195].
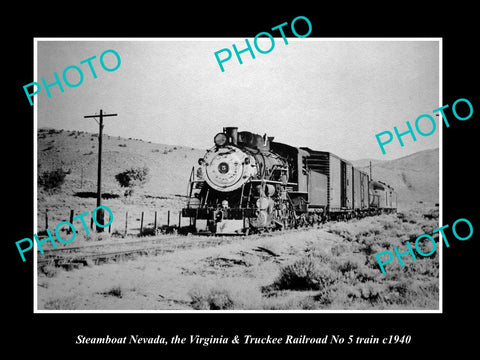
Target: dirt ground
[330,268]
[165,281]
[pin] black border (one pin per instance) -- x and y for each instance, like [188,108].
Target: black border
[56,333]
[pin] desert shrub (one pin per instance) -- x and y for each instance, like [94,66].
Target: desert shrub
[365,273]
[52,180]
[148,231]
[319,256]
[342,229]
[93,236]
[371,291]
[426,246]
[211,299]
[304,274]
[344,295]
[115,291]
[309,302]
[428,266]
[132,178]
[326,296]
[338,249]
[418,215]
[62,303]
[49,270]
[301,275]
[432,213]
[372,263]
[117,233]
[372,245]
[399,288]
[413,293]
[353,270]
[346,265]
[429,225]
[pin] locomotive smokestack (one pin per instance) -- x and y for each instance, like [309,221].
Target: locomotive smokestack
[232,134]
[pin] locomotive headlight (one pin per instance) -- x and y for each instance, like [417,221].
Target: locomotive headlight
[220,139]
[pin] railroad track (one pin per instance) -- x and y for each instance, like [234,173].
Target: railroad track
[89,255]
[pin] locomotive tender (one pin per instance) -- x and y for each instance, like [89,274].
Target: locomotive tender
[247,182]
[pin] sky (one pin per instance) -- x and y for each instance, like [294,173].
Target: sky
[327,94]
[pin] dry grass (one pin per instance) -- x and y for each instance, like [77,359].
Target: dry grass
[332,268]
[351,275]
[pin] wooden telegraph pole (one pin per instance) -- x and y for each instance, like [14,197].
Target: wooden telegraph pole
[99,175]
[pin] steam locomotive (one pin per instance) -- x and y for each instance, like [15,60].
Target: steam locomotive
[248,183]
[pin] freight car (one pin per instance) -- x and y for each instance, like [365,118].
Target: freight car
[383,198]
[247,182]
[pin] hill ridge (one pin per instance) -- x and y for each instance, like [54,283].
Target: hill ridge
[415,176]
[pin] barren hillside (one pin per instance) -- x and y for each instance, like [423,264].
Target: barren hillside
[77,151]
[414,177]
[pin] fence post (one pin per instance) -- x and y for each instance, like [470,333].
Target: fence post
[155,224]
[71,221]
[179,219]
[126,219]
[46,219]
[168,218]
[141,225]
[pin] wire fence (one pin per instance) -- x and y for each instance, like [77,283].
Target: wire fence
[136,223]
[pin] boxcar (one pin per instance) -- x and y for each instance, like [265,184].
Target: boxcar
[317,190]
[360,190]
[347,188]
[337,171]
